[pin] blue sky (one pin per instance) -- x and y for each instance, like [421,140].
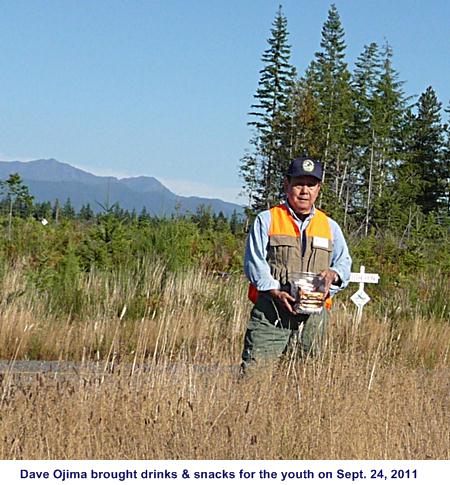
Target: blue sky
[163,88]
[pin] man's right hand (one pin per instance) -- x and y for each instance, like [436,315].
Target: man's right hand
[284,299]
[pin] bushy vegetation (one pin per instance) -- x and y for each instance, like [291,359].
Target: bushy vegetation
[58,257]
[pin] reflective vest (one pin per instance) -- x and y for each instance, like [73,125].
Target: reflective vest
[290,252]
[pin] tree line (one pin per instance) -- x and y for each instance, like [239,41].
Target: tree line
[16,201]
[386,157]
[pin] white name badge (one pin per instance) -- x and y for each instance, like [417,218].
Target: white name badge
[320,242]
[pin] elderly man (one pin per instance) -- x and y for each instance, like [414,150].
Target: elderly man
[290,238]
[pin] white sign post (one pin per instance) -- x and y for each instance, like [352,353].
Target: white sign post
[360,298]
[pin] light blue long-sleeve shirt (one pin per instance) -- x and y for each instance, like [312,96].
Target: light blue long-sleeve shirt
[257,269]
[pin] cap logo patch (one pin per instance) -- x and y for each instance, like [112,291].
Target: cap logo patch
[308,165]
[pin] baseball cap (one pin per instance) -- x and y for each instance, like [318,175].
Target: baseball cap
[305,166]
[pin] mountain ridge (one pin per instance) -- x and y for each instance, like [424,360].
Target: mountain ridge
[49,179]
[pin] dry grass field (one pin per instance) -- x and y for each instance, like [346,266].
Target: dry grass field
[158,378]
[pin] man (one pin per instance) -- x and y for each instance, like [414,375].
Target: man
[287,239]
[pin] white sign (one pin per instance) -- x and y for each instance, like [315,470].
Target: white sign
[364,277]
[360,298]
[44,222]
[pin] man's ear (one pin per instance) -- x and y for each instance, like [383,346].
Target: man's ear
[286,184]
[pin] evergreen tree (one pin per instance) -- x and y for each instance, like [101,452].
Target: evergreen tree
[365,79]
[86,213]
[426,163]
[56,211]
[119,213]
[17,196]
[306,128]
[134,216]
[263,170]
[446,163]
[144,216]
[380,113]
[235,223]
[328,79]
[220,222]
[203,217]
[388,115]
[68,211]
[42,210]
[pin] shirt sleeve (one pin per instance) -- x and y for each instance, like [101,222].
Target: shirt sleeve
[341,262]
[256,267]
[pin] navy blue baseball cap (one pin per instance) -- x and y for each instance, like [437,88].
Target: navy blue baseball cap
[302,166]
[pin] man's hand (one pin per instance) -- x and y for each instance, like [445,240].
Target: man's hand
[284,299]
[329,276]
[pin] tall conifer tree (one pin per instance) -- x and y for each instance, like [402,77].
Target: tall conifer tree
[388,114]
[365,79]
[306,127]
[427,154]
[328,78]
[446,163]
[380,111]
[263,169]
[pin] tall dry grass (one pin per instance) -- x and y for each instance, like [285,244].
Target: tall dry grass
[159,379]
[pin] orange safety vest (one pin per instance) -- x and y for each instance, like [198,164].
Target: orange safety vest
[283,224]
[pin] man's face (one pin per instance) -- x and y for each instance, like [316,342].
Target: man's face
[302,192]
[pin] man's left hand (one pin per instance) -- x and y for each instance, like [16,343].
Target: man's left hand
[329,277]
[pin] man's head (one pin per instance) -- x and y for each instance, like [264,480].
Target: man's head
[302,184]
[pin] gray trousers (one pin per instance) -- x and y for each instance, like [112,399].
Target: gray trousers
[272,331]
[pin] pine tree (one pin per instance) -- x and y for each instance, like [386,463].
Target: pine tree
[306,128]
[42,210]
[389,111]
[427,154]
[56,211]
[235,223]
[262,171]
[446,163]
[68,211]
[365,79]
[328,80]
[86,213]
[17,195]
[380,112]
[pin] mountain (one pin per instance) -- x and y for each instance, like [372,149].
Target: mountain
[49,180]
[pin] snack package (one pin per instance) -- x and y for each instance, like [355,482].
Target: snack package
[308,291]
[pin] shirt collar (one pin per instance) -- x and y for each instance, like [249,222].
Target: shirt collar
[294,215]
